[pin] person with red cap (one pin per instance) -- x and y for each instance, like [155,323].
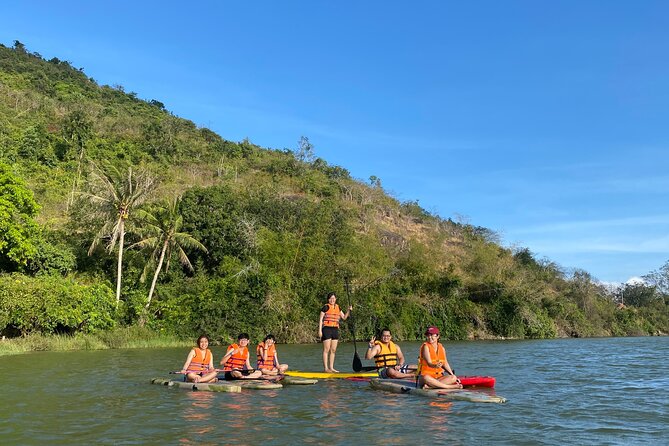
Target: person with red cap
[432,364]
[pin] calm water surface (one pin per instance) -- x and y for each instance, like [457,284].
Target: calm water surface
[570,391]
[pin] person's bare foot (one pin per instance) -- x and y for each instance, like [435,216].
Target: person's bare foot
[334,371]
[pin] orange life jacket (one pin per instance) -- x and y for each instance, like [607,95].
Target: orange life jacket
[200,361]
[270,363]
[435,356]
[238,360]
[387,357]
[331,318]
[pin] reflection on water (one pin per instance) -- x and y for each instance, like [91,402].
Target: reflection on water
[585,391]
[441,405]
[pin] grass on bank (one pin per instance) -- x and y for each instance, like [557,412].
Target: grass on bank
[128,337]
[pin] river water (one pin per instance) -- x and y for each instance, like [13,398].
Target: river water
[566,391]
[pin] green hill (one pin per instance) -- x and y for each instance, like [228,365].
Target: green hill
[278,229]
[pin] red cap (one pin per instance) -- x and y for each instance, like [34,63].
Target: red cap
[432,330]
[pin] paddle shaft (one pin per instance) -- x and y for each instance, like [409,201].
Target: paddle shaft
[357,363]
[413,369]
[179,372]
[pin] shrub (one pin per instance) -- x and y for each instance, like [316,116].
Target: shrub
[53,304]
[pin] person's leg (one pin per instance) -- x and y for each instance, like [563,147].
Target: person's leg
[398,374]
[326,353]
[209,377]
[283,368]
[333,350]
[450,380]
[269,372]
[192,377]
[394,374]
[253,375]
[433,383]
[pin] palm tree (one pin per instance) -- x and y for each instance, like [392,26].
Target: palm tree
[161,233]
[114,194]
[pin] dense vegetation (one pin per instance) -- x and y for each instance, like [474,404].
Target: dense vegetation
[116,213]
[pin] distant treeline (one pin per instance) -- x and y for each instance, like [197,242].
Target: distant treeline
[115,212]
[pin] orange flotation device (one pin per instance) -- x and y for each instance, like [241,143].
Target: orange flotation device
[332,316]
[200,361]
[435,355]
[387,357]
[238,360]
[270,363]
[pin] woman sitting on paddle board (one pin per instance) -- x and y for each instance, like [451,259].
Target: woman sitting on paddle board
[236,363]
[432,364]
[328,330]
[199,365]
[268,359]
[388,357]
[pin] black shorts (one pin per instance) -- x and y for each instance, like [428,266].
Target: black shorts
[330,333]
[229,377]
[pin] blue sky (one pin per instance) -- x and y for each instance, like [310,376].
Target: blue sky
[543,121]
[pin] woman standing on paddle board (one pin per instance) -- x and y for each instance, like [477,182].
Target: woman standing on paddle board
[328,330]
[432,364]
[199,365]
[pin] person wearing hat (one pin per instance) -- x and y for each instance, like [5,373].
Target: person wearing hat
[432,364]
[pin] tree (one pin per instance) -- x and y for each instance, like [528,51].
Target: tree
[305,150]
[19,233]
[638,294]
[77,130]
[113,195]
[659,278]
[161,231]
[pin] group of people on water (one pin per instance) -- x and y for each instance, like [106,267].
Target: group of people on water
[432,370]
[199,365]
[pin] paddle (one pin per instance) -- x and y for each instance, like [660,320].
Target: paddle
[373,368]
[357,363]
[179,372]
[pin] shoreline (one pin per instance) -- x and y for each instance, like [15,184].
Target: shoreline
[138,337]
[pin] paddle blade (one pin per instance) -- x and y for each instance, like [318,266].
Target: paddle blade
[357,363]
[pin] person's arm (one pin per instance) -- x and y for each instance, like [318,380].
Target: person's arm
[446,366]
[211,362]
[428,358]
[229,353]
[345,316]
[373,349]
[320,325]
[400,356]
[190,357]
[263,348]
